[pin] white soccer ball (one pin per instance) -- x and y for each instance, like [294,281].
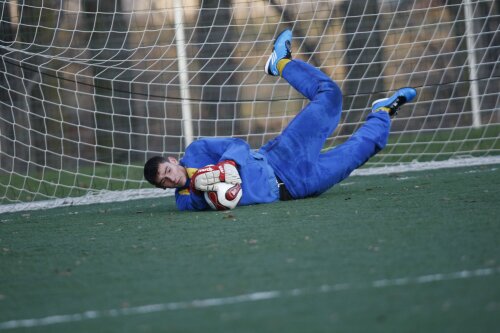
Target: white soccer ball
[226,197]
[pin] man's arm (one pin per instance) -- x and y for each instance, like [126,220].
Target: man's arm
[204,152]
[205,178]
[207,151]
[189,200]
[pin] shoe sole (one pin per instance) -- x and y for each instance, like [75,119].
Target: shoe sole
[267,68]
[273,56]
[399,101]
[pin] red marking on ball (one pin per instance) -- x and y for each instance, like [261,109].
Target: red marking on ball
[233,192]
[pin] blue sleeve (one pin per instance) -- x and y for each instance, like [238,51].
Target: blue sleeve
[213,150]
[186,200]
[201,153]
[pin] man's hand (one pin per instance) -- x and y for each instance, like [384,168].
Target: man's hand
[205,178]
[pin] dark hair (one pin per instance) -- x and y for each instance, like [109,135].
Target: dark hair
[151,169]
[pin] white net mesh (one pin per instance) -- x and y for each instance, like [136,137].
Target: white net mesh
[91,89]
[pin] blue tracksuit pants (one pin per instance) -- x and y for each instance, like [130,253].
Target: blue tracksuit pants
[295,155]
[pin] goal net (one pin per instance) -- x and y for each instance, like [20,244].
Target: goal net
[90,89]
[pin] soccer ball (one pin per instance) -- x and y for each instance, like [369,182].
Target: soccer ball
[226,197]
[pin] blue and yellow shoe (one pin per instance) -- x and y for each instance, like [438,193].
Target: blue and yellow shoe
[393,103]
[281,50]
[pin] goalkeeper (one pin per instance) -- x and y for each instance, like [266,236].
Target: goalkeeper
[291,166]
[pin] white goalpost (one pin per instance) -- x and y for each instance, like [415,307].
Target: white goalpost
[89,90]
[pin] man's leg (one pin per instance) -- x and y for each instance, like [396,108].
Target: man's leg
[337,164]
[312,125]
[295,152]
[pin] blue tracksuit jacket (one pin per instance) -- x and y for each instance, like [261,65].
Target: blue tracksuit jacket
[258,180]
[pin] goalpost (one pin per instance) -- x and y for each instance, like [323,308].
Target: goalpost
[89,90]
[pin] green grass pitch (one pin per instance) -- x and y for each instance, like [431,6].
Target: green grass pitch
[412,252]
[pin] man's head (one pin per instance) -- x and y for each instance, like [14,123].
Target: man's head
[165,172]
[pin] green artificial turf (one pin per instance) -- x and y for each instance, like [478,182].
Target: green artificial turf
[412,252]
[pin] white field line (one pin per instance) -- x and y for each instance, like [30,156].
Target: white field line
[421,166]
[244,298]
[105,196]
[92,197]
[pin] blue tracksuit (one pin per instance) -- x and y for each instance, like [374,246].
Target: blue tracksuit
[295,155]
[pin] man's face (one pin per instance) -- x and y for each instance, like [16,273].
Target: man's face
[171,174]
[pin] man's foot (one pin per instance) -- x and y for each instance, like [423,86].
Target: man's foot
[393,103]
[281,50]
